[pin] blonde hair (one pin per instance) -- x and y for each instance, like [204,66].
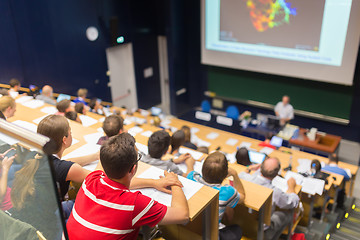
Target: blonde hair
[187,133]
[55,127]
[82,92]
[5,102]
[23,185]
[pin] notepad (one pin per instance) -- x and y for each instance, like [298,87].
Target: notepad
[267,150]
[84,150]
[33,103]
[231,141]
[298,177]
[147,133]
[93,137]
[102,119]
[194,130]
[29,126]
[313,185]
[199,142]
[190,187]
[304,165]
[135,130]
[231,157]
[197,166]
[23,99]
[49,110]
[212,135]
[87,121]
[100,130]
[245,145]
[196,155]
[280,183]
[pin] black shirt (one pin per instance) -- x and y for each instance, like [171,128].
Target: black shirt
[62,168]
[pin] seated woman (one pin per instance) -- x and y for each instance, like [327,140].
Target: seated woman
[177,140]
[242,157]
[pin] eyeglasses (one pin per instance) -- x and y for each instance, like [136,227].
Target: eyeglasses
[137,160]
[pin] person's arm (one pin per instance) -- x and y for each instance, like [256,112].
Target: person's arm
[182,158]
[237,184]
[288,200]
[190,166]
[84,160]
[229,214]
[163,184]
[77,173]
[6,164]
[178,212]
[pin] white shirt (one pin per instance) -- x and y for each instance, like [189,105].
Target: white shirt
[284,111]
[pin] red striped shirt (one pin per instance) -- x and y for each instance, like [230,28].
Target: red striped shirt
[105,209]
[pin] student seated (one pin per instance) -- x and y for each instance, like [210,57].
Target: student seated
[177,140]
[80,108]
[158,145]
[5,199]
[63,107]
[106,209]
[81,93]
[95,106]
[203,150]
[215,169]
[242,157]
[47,95]
[279,219]
[112,125]
[14,87]
[7,106]
[267,141]
[72,115]
[188,142]
[334,168]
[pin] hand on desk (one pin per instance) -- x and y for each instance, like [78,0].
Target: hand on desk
[182,158]
[254,167]
[164,183]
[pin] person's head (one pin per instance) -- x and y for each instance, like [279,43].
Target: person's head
[64,106]
[118,156]
[80,108]
[215,168]
[268,136]
[72,115]
[82,92]
[270,168]
[286,100]
[187,133]
[95,104]
[242,156]
[15,84]
[158,144]
[203,150]
[47,91]
[113,125]
[177,140]
[334,158]
[157,121]
[316,165]
[7,106]
[56,128]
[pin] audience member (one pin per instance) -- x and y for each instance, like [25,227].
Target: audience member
[124,211]
[82,92]
[188,142]
[72,115]
[203,150]
[177,140]
[112,125]
[284,110]
[47,95]
[279,219]
[242,157]
[95,106]
[14,87]
[5,164]
[158,146]
[63,107]
[80,108]
[267,141]
[334,167]
[7,106]
[215,169]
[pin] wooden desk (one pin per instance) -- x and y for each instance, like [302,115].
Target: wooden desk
[323,143]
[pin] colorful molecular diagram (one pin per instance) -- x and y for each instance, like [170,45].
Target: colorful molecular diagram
[267,14]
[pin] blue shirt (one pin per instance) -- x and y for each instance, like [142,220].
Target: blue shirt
[335,169]
[228,196]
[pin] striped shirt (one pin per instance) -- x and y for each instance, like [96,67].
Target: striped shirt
[105,209]
[228,196]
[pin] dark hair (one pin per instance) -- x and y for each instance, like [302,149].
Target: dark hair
[215,168]
[242,156]
[316,164]
[63,105]
[118,155]
[270,173]
[177,140]
[14,82]
[72,115]
[112,125]
[158,143]
[79,107]
[187,133]
[203,150]
[334,158]
[269,135]
[55,127]
[92,103]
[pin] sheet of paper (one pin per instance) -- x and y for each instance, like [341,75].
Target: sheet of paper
[173,129]
[140,121]
[23,99]
[312,186]
[142,148]
[199,142]
[267,150]
[194,130]
[245,145]
[33,103]
[348,172]
[29,126]
[298,177]
[102,119]
[190,187]
[231,141]
[49,110]
[280,183]
[74,141]
[147,133]
[304,165]
[93,137]
[100,130]
[127,121]
[195,154]
[7,139]
[197,166]
[38,120]
[91,167]
[135,130]
[231,157]
[212,135]
[83,151]
[87,121]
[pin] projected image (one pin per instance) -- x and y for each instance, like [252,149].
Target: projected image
[280,23]
[267,14]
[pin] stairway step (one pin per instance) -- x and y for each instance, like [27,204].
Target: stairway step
[346,235]
[336,236]
[350,225]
